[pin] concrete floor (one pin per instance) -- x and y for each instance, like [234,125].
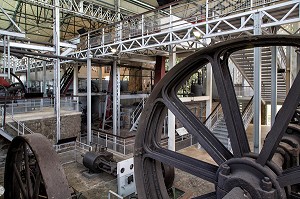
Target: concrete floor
[99,186]
[196,185]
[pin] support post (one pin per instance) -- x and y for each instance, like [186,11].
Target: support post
[116,102]
[56,39]
[14,69]
[171,116]
[100,78]
[208,90]
[288,69]
[257,87]
[273,84]
[89,95]
[44,79]
[160,69]
[75,86]
[8,57]
[28,74]
[100,89]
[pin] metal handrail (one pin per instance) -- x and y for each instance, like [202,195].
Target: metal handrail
[250,103]
[248,113]
[215,116]
[211,114]
[138,110]
[20,124]
[282,60]
[4,107]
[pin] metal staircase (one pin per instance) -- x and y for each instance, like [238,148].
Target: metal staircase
[67,79]
[244,61]
[136,114]
[216,122]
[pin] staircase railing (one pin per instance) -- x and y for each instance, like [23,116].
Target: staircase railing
[137,112]
[66,79]
[281,58]
[19,127]
[215,115]
[247,114]
[3,107]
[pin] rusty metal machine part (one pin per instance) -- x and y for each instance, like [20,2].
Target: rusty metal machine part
[102,160]
[256,174]
[168,174]
[33,170]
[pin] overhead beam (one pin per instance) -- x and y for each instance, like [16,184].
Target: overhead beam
[12,34]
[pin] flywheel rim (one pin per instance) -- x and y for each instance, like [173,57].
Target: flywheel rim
[148,153]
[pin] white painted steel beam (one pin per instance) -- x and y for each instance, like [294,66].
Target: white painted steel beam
[30,46]
[12,34]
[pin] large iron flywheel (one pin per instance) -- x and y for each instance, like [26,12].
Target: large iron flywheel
[273,173]
[33,170]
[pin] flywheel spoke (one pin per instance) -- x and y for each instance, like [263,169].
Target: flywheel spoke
[38,179]
[289,176]
[190,165]
[281,123]
[27,171]
[233,118]
[19,179]
[204,136]
[211,195]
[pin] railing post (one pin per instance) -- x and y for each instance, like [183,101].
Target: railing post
[124,146]
[2,114]
[12,109]
[75,151]
[105,140]
[143,40]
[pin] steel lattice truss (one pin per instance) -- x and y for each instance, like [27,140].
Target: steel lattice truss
[85,9]
[219,28]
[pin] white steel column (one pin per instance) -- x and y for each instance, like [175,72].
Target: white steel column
[288,69]
[75,86]
[171,116]
[257,87]
[56,39]
[273,84]
[28,74]
[118,100]
[75,81]
[44,79]
[89,95]
[209,77]
[208,90]
[8,57]
[14,69]
[116,97]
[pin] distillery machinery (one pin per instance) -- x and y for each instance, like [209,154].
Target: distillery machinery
[32,167]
